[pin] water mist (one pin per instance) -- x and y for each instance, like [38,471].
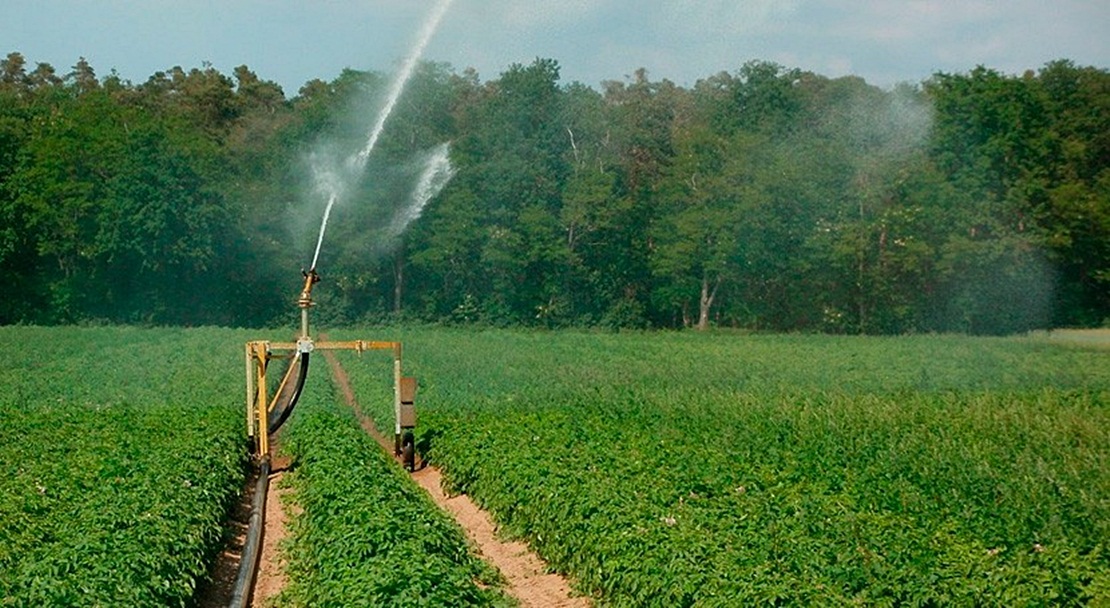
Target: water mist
[437,172]
[332,179]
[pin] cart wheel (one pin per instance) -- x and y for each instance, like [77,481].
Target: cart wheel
[408,453]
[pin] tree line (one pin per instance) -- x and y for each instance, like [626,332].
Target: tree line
[767,198]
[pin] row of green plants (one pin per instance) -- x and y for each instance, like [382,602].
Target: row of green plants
[681,470]
[363,533]
[122,451]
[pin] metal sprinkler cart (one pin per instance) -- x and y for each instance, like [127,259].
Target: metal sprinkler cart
[266,414]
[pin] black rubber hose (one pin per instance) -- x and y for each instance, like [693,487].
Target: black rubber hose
[282,411]
[248,562]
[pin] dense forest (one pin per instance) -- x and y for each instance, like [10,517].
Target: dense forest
[767,198]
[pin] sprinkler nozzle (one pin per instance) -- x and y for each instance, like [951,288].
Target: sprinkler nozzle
[310,279]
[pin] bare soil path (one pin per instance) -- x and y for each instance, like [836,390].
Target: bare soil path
[529,581]
[270,578]
[217,593]
[527,574]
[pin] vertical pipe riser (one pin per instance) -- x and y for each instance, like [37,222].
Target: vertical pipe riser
[397,398]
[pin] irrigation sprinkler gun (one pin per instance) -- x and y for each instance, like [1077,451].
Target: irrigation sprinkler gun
[266,414]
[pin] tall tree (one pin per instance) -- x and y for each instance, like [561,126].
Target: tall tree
[511,161]
[991,141]
[1076,214]
[642,116]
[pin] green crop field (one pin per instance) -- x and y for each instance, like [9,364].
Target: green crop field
[364,534]
[121,450]
[722,470]
[657,469]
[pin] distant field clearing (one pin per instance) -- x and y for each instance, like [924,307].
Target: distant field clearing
[1093,337]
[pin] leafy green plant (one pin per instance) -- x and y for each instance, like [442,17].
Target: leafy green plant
[119,466]
[366,535]
[680,470]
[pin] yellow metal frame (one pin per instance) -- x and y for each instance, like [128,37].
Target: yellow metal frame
[260,352]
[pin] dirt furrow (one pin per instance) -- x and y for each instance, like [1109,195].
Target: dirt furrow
[270,578]
[217,592]
[526,572]
[527,575]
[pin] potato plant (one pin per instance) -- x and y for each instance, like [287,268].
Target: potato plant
[724,470]
[366,535]
[122,450]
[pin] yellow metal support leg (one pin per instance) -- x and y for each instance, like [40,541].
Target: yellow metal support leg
[261,399]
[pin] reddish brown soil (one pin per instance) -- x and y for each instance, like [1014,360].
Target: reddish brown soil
[217,593]
[527,574]
[529,581]
[270,578]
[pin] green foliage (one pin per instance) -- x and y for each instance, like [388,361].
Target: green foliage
[366,535]
[765,198]
[120,215]
[680,469]
[119,466]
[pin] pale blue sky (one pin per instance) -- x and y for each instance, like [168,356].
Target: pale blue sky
[292,41]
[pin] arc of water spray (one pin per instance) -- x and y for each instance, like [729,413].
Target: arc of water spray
[437,172]
[357,162]
[323,228]
[398,85]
